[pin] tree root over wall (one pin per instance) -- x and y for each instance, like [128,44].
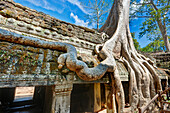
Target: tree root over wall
[144,81]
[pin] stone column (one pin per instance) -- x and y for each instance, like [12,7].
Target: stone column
[61,102]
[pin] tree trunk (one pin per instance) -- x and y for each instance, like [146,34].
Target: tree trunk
[164,34]
[97,24]
[144,81]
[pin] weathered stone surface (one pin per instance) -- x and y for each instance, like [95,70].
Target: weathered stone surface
[162,59]
[24,58]
[36,23]
[62,97]
[23,65]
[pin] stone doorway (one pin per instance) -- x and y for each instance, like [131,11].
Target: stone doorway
[22,99]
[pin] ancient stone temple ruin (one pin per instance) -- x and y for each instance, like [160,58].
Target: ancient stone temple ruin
[31,44]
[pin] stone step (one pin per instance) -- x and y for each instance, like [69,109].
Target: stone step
[23,109]
[21,103]
[19,108]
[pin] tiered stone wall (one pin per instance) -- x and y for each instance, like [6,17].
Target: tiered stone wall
[30,22]
[162,59]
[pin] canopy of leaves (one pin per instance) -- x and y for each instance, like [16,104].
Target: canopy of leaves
[156,45]
[136,43]
[152,11]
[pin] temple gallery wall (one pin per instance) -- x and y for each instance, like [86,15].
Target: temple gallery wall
[31,44]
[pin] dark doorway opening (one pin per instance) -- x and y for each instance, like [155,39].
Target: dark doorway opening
[22,99]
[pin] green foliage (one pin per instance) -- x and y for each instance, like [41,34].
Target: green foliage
[156,45]
[136,43]
[153,11]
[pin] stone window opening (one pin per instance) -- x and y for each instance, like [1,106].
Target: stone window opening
[16,99]
[24,93]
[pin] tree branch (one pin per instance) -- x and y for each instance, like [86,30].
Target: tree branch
[135,16]
[167,9]
[103,12]
[154,6]
[141,3]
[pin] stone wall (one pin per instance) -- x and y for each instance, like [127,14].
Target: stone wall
[31,65]
[24,65]
[162,60]
[36,66]
[24,21]
[27,62]
[30,22]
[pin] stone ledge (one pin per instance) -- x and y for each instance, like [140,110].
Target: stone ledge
[21,13]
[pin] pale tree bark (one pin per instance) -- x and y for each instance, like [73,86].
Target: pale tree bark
[162,28]
[144,81]
[161,20]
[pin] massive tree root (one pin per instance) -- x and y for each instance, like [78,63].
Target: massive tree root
[144,81]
